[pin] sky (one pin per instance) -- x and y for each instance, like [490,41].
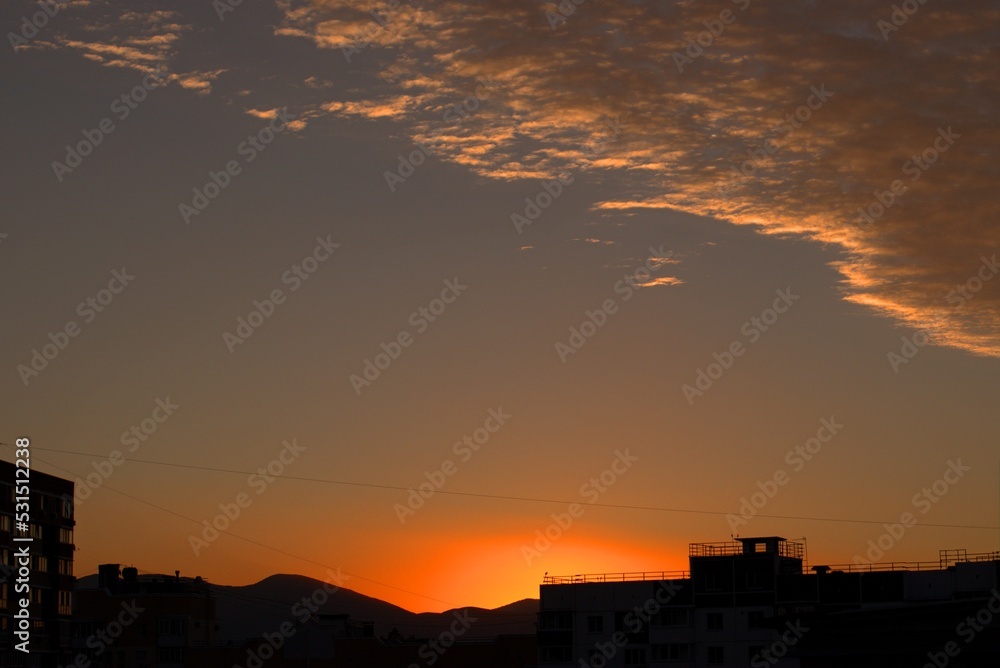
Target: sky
[446,297]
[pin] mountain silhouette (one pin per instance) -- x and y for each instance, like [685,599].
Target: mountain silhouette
[249,611]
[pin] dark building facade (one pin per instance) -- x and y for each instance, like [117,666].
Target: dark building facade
[750,602]
[149,620]
[49,563]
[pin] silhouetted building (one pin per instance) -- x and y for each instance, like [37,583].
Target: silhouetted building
[158,621]
[505,651]
[749,603]
[49,565]
[143,620]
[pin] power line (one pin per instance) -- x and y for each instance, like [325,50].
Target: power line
[243,538]
[505,497]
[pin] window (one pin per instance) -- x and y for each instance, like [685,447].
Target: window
[40,563]
[84,629]
[760,548]
[716,655]
[36,595]
[67,508]
[555,654]
[713,621]
[170,626]
[65,603]
[756,619]
[65,567]
[168,655]
[673,617]
[66,536]
[754,580]
[555,620]
[595,624]
[36,531]
[5,523]
[140,657]
[635,656]
[755,651]
[713,582]
[671,652]
[3,595]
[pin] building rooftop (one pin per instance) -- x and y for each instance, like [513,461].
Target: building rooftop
[781,547]
[637,576]
[775,545]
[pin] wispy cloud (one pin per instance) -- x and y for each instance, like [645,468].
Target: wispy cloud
[735,132]
[690,130]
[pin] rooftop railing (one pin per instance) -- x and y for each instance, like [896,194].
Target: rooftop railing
[616,577]
[947,559]
[785,548]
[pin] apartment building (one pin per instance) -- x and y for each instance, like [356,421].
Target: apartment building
[751,602]
[50,565]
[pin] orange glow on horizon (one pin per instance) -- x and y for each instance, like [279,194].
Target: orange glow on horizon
[493,571]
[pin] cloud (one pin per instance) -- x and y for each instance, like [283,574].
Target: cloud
[660,280]
[593,240]
[793,118]
[790,119]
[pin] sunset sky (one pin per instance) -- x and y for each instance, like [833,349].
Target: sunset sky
[501,251]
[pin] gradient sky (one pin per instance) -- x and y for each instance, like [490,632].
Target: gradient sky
[648,131]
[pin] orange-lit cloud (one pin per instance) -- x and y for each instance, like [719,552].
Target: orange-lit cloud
[691,117]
